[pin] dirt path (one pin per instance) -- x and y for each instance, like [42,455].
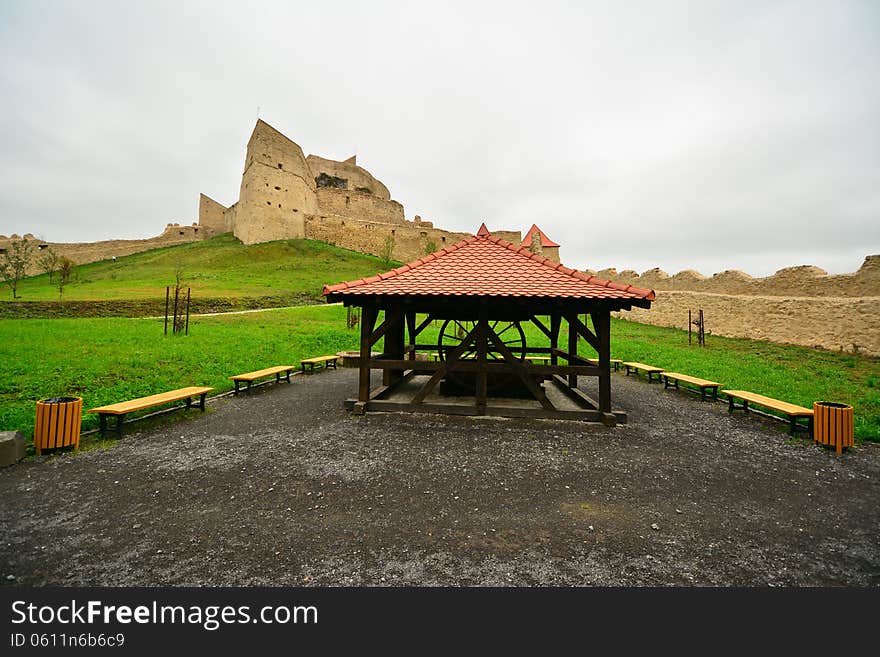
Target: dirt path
[285,488]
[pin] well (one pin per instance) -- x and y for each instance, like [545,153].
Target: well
[58,423]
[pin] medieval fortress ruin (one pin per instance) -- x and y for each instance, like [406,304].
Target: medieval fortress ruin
[285,194]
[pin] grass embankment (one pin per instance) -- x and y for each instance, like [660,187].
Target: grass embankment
[799,375]
[221,272]
[111,360]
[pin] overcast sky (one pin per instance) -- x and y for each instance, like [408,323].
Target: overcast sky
[729,135]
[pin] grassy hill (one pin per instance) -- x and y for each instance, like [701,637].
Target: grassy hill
[221,267]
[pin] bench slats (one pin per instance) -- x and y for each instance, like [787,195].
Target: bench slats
[693,380]
[769,402]
[141,403]
[259,374]
[319,359]
[650,370]
[642,366]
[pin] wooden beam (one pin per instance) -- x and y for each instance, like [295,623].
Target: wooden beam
[448,364]
[368,319]
[391,319]
[537,322]
[482,348]
[582,329]
[393,350]
[421,327]
[574,394]
[411,330]
[586,415]
[572,349]
[602,324]
[520,369]
[555,323]
[492,367]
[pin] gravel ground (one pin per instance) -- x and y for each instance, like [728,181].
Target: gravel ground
[284,488]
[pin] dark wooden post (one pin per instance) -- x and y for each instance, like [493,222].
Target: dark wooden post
[393,349]
[411,330]
[602,327]
[482,349]
[572,350]
[555,322]
[368,318]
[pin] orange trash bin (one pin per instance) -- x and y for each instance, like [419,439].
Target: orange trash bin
[58,423]
[833,424]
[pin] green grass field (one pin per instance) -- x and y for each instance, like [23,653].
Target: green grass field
[218,267]
[115,359]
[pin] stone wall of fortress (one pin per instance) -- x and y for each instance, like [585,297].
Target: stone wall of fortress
[84,252]
[798,305]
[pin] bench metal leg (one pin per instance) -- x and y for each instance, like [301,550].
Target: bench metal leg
[236,387]
[188,401]
[288,376]
[702,394]
[119,420]
[102,423]
[202,400]
[715,393]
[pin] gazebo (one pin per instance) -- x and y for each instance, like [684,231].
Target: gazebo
[482,292]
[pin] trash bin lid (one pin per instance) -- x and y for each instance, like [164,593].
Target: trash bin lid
[59,400]
[832,404]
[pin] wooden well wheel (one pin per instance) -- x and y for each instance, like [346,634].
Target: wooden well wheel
[454,331]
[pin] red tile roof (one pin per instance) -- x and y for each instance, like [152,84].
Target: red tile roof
[545,241]
[488,266]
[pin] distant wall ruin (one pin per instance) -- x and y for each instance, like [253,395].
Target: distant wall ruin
[797,305]
[84,252]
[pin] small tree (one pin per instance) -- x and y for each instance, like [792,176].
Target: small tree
[65,272]
[387,251]
[15,262]
[49,261]
[430,247]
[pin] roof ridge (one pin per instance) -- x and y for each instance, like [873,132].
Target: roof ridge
[574,273]
[523,251]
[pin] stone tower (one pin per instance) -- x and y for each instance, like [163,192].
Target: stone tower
[277,189]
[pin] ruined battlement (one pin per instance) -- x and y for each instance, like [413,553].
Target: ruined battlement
[800,281]
[801,305]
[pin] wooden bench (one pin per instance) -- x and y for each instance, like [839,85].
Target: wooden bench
[793,411]
[702,384]
[650,370]
[328,361]
[615,363]
[250,377]
[122,409]
[537,359]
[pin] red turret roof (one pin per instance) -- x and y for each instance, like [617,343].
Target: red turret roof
[487,266]
[545,241]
